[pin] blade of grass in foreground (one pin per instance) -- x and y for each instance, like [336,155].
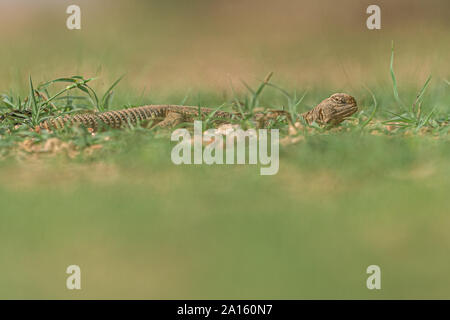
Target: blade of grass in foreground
[106,97]
[259,90]
[375,107]
[419,97]
[35,110]
[394,80]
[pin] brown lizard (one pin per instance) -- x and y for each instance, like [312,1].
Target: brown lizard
[332,110]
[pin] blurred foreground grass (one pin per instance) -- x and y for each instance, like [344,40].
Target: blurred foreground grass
[141,227]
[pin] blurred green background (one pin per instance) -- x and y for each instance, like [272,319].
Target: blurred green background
[141,227]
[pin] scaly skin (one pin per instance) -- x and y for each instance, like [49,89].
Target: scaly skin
[332,110]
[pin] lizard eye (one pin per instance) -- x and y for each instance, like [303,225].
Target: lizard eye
[338,99]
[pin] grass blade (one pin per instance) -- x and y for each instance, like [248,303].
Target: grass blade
[35,110]
[394,80]
[108,93]
[259,90]
[375,107]
[420,95]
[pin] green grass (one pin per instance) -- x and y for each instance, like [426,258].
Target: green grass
[372,191]
[140,227]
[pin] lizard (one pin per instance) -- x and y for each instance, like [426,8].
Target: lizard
[331,111]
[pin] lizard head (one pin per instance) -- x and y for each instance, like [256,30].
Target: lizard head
[341,106]
[332,110]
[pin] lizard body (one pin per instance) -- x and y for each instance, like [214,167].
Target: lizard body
[332,110]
